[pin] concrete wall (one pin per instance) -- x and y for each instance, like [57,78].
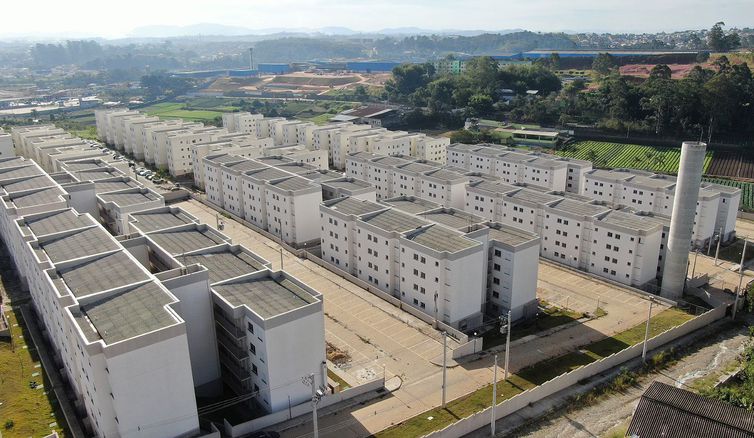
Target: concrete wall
[302,409]
[510,406]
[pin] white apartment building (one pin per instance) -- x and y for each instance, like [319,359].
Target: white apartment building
[445,187]
[512,268]
[155,152]
[566,229]
[407,178]
[254,195]
[428,148]
[6,145]
[143,136]
[132,127]
[289,204]
[347,187]
[289,132]
[253,149]
[299,154]
[281,323]
[654,193]
[179,146]
[231,175]
[338,230]
[625,248]
[577,170]
[241,122]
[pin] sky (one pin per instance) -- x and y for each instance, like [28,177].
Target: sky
[117,19]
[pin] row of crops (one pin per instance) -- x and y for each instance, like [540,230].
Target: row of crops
[747,190]
[616,155]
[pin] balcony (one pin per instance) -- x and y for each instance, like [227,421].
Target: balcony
[238,353]
[231,329]
[238,372]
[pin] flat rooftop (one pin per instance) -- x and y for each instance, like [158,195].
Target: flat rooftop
[20,172]
[292,183]
[494,187]
[13,162]
[266,296]
[128,314]
[124,199]
[113,186]
[225,158]
[347,184]
[394,220]
[274,161]
[103,273]
[182,241]
[448,175]
[651,182]
[510,235]
[721,188]
[608,175]
[441,239]
[40,197]
[411,205]
[296,168]
[580,208]
[149,221]
[321,175]
[452,218]
[353,206]
[81,243]
[224,265]
[534,196]
[245,166]
[630,221]
[268,173]
[417,167]
[464,147]
[516,157]
[35,182]
[390,161]
[56,222]
[93,175]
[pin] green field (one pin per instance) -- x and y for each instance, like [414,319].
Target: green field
[619,155]
[747,190]
[171,110]
[28,412]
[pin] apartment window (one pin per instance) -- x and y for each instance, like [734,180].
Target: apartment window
[253,349]
[251,327]
[254,369]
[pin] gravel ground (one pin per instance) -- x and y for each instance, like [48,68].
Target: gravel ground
[708,356]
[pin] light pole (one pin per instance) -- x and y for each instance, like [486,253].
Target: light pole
[646,332]
[494,396]
[444,365]
[507,345]
[719,239]
[693,270]
[316,396]
[281,258]
[740,278]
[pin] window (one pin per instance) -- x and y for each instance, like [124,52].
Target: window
[251,328]
[253,349]
[254,369]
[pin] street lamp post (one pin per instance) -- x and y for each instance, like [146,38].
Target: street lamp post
[646,332]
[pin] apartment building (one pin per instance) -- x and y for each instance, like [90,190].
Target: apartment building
[299,154]
[109,322]
[114,207]
[6,145]
[375,170]
[407,178]
[428,148]
[132,131]
[626,248]
[254,195]
[244,122]
[289,203]
[577,170]
[654,193]
[289,132]
[142,136]
[179,146]
[445,187]
[346,187]
[156,136]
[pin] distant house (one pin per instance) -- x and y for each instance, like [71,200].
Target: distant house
[377,116]
[668,412]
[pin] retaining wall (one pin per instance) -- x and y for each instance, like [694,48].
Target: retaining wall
[564,381]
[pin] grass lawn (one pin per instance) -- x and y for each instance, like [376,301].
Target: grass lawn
[732,252]
[174,110]
[546,319]
[31,410]
[343,384]
[532,376]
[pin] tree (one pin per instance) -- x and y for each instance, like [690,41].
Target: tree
[360,93]
[480,104]
[660,71]
[718,41]
[603,63]
[408,78]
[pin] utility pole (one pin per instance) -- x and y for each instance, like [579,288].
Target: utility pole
[444,365]
[646,332]
[494,396]
[507,345]
[281,258]
[740,278]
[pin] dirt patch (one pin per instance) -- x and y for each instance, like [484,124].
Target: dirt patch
[336,355]
[678,71]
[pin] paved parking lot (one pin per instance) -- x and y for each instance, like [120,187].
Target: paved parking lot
[380,337]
